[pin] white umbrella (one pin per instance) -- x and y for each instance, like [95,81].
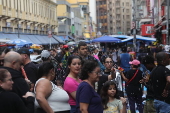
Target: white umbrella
[71,43]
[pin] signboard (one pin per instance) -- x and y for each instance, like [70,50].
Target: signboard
[147,29]
[49,34]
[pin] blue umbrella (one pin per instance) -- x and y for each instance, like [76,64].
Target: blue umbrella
[20,42]
[106,39]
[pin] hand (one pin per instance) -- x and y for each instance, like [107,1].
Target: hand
[123,100]
[28,81]
[28,94]
[165,93]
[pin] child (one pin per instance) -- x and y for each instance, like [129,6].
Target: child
[110,99]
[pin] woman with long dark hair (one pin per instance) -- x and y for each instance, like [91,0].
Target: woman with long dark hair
[72,80]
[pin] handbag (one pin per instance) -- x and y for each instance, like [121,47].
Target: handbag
[132,77]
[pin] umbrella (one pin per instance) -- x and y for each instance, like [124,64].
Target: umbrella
[36,46]
[120,36]
[20,42]
[106,39]
[71,43]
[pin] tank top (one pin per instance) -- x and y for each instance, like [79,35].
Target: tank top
[58,99]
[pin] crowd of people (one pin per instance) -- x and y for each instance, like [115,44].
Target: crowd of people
[84,80]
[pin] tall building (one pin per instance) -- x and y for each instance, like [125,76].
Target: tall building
[102,17]
[64,17]
[84,5]
[119,16]
[36,17]
[76,23]
[114,16]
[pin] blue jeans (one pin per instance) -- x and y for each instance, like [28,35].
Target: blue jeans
[73,109]
[161,106]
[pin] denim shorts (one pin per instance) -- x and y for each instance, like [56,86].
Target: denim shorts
[161,106]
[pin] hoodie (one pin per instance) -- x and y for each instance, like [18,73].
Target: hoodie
[20,86]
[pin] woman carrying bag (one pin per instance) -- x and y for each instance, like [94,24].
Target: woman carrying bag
[134,87]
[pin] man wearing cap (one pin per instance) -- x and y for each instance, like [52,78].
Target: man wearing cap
[66,56]
[29,67]
[133,86]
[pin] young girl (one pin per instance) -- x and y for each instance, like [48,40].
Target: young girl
[110,99]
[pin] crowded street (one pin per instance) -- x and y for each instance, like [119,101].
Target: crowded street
[84,56]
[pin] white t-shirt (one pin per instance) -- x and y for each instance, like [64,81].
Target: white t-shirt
[58,100]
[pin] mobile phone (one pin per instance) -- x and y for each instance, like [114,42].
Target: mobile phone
[115,66]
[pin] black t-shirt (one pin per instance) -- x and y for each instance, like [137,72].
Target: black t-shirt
[31,71]
[158,81]
[102,80]
[134,86]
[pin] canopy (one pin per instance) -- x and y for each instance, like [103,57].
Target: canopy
[120,36]
[20,42]
[145,38]
[106,39]
[71,43]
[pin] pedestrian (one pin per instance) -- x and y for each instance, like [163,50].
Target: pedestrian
[148,66]
[72,80]
[49,97]
[133,86]
[159,82]
[124,59]
[87,99]
[10,102]
[110,99]
[13,62]
[29,67]
[3,52]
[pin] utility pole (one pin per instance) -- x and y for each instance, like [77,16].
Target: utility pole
[167,25]
[18,19]
[49,31]
[134,29]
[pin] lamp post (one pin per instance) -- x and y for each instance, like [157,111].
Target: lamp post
[134,29]
[18,19]
[167,25]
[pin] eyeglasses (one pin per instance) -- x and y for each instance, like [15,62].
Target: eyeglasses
[109,62]
[98,73]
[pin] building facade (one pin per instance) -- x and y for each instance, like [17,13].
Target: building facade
[28,16]
[64,17]
[115,16]
[76,22]
[102,18]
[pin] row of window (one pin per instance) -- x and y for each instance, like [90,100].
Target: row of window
[10,30]
[39,7]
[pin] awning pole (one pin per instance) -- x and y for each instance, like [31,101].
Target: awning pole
[167,26]
[134,29]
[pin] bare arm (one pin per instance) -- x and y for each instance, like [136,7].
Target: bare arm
[112,75]
[124,105]
[43,90]
[167,87]
[84,107]
[73,94]
[123,76]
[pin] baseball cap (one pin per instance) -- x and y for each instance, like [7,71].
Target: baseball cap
[45,54]
[24,51]
[135,62]
[65,46]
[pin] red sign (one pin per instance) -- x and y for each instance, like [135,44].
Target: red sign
[147,29]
